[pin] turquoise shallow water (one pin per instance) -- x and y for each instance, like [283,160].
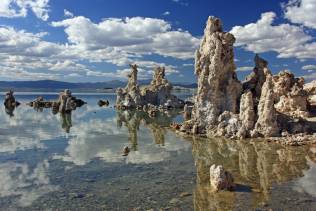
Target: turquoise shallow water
[75,162]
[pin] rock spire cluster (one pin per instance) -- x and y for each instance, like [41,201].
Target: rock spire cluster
[264,105]
[157,93]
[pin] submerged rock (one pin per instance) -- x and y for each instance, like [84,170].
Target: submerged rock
[220,179]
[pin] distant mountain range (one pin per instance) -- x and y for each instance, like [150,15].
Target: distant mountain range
[51,86]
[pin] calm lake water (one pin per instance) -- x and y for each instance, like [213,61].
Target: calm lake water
[75,162]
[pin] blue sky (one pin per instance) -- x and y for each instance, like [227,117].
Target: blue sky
[95,40]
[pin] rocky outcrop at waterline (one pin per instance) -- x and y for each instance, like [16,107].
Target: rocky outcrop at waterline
[218,86]
[10,103]
[9,100]
[103,103]
[157,93]
[310,88]
[39,102]
[65,103]
[264,105]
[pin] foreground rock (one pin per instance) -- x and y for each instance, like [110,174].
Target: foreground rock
[220,179]
[158,93]
[262,106]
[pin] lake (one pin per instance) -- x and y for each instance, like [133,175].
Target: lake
[75,162]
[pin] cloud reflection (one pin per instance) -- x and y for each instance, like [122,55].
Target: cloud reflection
[25,183]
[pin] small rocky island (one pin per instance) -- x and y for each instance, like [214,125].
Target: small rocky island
[264,105]
[66,102]
[156,94]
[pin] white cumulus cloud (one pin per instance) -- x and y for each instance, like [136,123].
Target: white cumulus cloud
[285,39]
[68,13]
[19,8]
[301,12]
[309,67]
[136,35]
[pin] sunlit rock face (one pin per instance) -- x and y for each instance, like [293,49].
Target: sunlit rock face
[292,99]
[130,95]
[310,88]
[158,93]
[262,106]
[67,103]
[266,124]
[218,86]
[247,114]
[220,179]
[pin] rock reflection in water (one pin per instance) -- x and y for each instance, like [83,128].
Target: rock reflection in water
[10,110]
[66,121]
[255,166]
[105,139]
[25,184]
[132,119]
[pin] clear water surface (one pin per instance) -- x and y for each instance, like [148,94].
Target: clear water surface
[74,162]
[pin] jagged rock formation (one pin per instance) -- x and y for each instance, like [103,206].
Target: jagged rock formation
[129,96]
[102,103]
[266,124]
[67,103]
[158,93]
[10,103]
[220,179]
[9,100]
[263,106]
[218,86]
[290,94]
[40,103]
[247,114]
[256,79]
[310,88]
